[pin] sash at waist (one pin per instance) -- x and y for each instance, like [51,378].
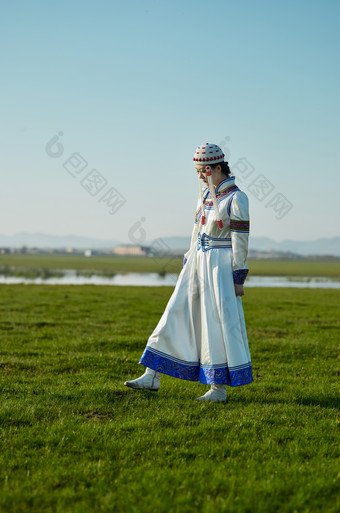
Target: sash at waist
[205,242]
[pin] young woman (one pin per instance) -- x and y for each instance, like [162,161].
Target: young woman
[201,335]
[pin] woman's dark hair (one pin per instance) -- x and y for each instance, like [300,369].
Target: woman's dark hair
[224,167]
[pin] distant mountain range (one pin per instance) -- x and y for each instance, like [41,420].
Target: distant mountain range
[42,240]
[330,246]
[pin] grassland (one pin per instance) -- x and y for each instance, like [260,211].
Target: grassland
[300,267]
[74,439]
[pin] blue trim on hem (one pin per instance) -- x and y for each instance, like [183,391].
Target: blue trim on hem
[219,374]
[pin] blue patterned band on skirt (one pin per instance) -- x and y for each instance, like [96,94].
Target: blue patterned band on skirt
[194,371]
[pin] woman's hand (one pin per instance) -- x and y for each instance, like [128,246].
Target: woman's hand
[239,290]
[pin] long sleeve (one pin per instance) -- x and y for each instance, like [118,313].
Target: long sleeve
[239,228]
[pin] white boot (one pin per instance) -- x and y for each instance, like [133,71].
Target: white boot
[217,393]
[149,381]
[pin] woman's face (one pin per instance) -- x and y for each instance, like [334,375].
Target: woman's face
[202,173]
[216,174]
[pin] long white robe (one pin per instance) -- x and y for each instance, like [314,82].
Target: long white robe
[201,335]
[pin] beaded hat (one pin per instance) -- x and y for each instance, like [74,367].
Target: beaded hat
[208,153]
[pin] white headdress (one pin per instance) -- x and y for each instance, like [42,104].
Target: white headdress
[209,154]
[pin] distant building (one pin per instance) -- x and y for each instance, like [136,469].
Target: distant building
[88,253]
[131,250]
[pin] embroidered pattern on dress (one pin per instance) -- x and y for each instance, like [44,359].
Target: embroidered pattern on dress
[224,182]
[221,195]
[194,371]
[208,204]
[239,226]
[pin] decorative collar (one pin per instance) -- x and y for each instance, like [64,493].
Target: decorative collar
[228,182]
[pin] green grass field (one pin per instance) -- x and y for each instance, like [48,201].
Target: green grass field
[75,440]
[303,267]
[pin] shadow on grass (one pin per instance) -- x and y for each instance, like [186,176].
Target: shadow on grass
[135,396]
[322,401]
[130,395]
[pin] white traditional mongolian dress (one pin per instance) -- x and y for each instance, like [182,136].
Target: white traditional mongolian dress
[201,335]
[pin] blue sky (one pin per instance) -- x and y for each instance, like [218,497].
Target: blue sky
[136,86]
